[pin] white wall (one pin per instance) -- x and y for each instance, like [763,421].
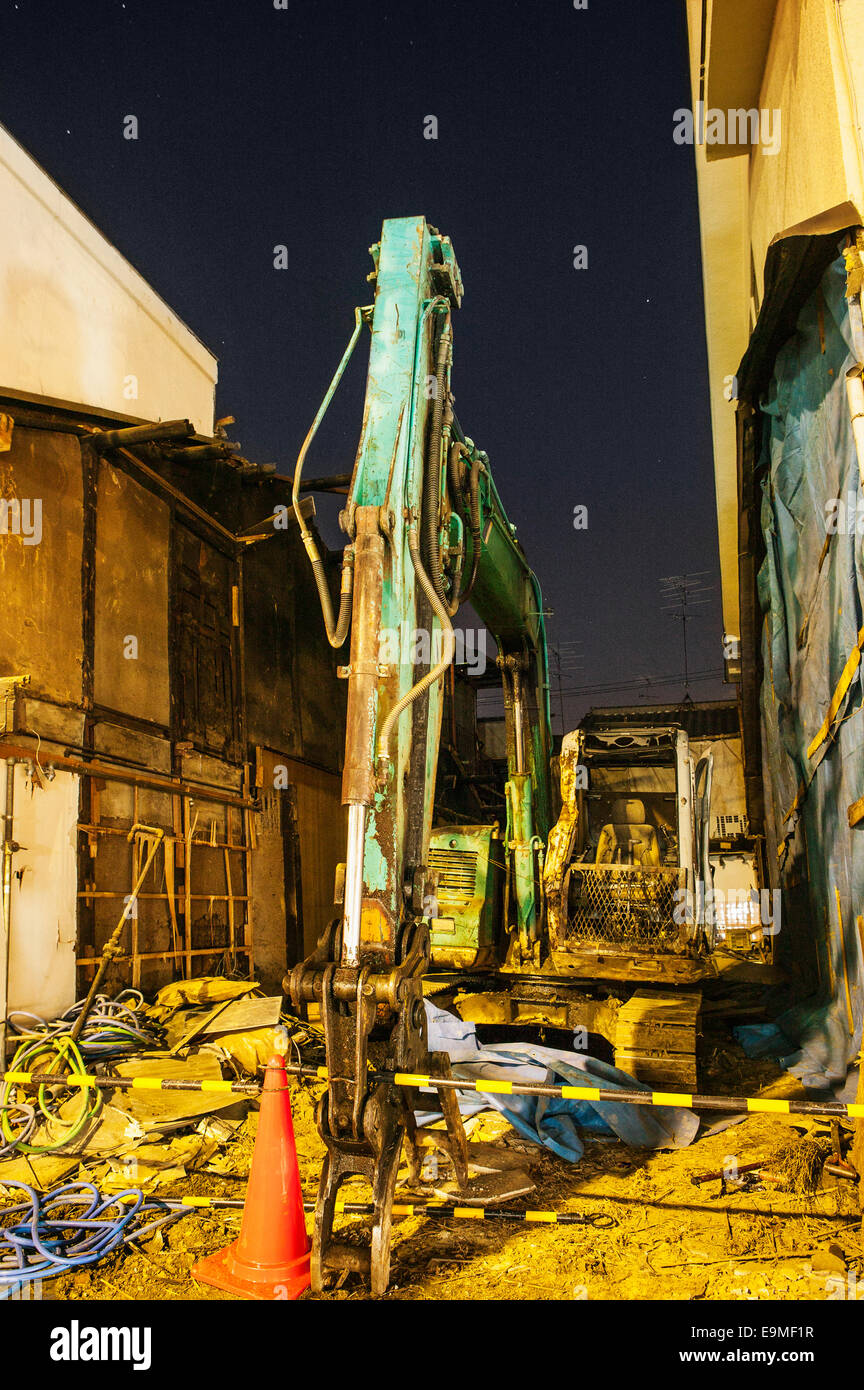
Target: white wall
[77,320]
[816,181]
[723,211]
[813,75]
[42,937]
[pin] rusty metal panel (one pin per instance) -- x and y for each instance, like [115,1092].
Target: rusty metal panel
[294,700]
[131,666]
[40,573]
[205,638]
[322,828]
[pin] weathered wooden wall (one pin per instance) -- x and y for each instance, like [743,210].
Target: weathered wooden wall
[161,650]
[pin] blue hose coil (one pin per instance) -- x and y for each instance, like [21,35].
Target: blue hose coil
[42,1244]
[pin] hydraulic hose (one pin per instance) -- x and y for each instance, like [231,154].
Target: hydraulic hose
[453,475]
[432,476]
[336,630]
[454,479]
[453,608]
[435,673]
[476,534]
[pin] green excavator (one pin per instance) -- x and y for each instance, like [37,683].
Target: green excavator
[426,533]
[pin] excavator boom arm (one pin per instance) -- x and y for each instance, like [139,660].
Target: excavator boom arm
[424,526]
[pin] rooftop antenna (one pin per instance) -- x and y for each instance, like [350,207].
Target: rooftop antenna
[681,594]
[568,658]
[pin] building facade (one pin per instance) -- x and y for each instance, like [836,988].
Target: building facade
[777,98]
[163,664]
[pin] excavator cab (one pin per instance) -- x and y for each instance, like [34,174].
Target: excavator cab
[629,838]
[623,857]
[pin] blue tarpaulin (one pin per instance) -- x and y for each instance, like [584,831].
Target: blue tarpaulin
[556,1124]
[811,590]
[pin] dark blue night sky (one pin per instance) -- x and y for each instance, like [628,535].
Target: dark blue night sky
[304,126]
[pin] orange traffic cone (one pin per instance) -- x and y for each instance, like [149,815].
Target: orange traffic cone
[271,1257]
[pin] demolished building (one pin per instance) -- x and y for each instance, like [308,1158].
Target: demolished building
[161,661]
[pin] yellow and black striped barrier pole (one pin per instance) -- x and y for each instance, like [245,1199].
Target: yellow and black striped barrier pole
[128,1083]
[673,1099]
[666,1099]
[441,1210]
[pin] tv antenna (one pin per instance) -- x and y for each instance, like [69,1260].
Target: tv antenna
[681,595]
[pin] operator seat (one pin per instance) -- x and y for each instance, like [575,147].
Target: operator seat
[629,838]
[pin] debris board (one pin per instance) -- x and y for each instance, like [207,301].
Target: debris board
[164,1110]
[488,1189]
[244,1014]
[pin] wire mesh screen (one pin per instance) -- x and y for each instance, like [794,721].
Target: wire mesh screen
[619,906]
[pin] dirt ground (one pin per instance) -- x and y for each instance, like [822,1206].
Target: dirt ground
[666,1236]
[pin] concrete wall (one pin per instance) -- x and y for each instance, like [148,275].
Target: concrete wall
[78,320]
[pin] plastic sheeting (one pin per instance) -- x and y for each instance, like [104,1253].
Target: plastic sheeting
[811,589]
[556,1124]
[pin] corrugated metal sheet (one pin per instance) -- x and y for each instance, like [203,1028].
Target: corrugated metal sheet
[709,719]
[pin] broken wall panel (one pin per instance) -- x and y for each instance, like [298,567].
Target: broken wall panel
[293,700]
[323,829]
[55,723]
[205,623]
[278,874]
[127,561]
[114,740]
[272,636]
[193,914]
[294,703]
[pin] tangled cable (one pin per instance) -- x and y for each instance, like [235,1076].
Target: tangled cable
[46,1055]
[23,1124]
[114,1027]
[50,1237]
